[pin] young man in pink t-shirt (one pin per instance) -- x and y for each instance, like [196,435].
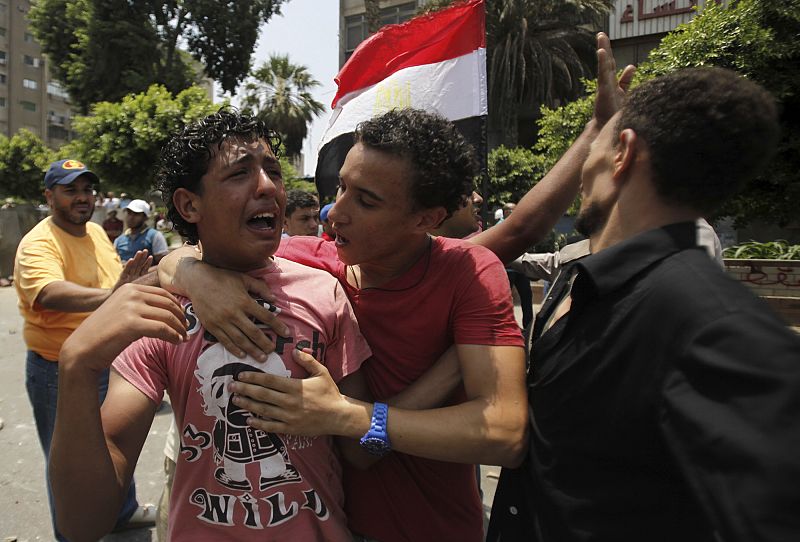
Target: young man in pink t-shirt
[223,185]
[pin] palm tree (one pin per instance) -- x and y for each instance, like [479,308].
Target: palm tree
[538,50]
[279,92]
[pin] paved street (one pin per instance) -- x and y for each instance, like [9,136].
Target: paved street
[24,514]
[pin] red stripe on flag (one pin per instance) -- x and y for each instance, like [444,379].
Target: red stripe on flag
[426,39]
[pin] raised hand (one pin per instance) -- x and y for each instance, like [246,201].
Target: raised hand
[610,90]
[133,311]
[134,268]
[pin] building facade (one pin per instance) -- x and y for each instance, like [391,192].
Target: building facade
[636,27]
[353,21]
[28,97]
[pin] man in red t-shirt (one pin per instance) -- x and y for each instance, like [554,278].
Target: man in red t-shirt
[112,225]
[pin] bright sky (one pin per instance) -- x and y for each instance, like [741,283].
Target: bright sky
[308,31]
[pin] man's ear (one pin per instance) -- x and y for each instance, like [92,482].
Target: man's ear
[430,219]
[188,205]
[48,195]
[625,153]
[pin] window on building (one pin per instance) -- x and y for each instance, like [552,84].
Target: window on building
[57,132]
[28,106]
[30,83]
[29,38]
[355,30]
[2,58]
[56,118]
[30,61]
[54,89]
[398,14]
[2,32]
[2,101]
[2,79]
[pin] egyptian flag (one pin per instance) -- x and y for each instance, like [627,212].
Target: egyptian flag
[435,62]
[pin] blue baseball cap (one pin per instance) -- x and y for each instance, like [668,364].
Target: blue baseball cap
[323,214]
[66,171]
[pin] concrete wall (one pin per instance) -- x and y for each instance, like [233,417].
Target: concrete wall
[776,281]
[15,222]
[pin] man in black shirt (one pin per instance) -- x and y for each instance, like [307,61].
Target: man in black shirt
[664,396]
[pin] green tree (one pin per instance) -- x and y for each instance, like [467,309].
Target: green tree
[24,159]
[122,141]
[101,50]
[373,15]
[512,171]
[757,38]
[280,93]
[537,52]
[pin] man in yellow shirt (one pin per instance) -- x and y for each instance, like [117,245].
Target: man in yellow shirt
[65,267]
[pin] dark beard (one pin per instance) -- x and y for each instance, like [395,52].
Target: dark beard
[590,220]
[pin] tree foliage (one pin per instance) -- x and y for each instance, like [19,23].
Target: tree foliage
[122,141]
[24,159]
[280,93]
[512,171]
[757,38]
[102,50]
[537,52]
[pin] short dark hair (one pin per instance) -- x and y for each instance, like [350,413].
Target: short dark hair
[185,157]
[299,199]
[442,161]
[708,131]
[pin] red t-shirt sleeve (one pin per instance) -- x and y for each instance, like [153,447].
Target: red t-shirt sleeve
[311,251]
[484,311]
[143,365]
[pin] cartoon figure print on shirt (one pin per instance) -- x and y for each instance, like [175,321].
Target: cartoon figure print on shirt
[236,444]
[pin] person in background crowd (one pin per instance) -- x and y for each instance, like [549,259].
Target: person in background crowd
[110,201]
[65,268]
[302,214]
[519,281]
[465,221]
[139,235]
[327,230]
[112,225]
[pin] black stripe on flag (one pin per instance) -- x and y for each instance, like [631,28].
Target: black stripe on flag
[332,154]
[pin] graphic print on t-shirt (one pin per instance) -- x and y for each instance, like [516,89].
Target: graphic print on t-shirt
[252,480]
[236,444]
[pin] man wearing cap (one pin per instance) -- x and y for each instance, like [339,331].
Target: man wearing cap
[140,236]
[327,230]
[65,267]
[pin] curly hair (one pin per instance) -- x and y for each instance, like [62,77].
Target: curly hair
[186,156]
[708,131]
[299,199]
[443,162]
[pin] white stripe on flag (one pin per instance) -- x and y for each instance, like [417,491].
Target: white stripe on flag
[447,88]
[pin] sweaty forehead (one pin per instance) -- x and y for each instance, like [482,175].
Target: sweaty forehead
[241,148]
